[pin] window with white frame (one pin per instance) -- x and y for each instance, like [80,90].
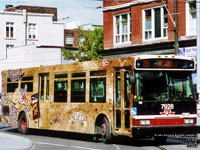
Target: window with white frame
[81,39]
[9,30]
[32,27]
[155,23]
[69,40]
[122,28]
[191,18]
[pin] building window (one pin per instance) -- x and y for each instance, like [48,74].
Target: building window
[81,39]
[155,23]
[32,31]
[69,40]
[122,28]
[9,46]
[9,30]
[191,18]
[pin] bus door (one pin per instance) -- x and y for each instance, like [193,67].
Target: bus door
[44,100]
[122,102]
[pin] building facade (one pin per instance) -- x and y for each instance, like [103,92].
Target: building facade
[22,28]
[147,26]
[29,40]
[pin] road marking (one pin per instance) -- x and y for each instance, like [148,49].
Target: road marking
[116,147]
[161,148]
[78,147]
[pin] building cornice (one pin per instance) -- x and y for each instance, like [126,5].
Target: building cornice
[137,2]
[21,14]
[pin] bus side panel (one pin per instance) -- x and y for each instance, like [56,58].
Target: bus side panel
[14,98]
[75,117]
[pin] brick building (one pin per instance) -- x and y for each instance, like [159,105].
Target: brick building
[72,37]
[136,27]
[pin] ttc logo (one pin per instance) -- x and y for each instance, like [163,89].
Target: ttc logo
[167,109]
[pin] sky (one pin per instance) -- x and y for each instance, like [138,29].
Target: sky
[84,11]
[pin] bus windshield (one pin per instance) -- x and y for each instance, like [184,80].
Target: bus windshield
[163,86]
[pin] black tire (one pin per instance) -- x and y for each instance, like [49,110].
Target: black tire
[23,124]
[160,139]
[106,135]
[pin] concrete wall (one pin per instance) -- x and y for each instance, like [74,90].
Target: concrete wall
[30,56]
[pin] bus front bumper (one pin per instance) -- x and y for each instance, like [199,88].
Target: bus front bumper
[164,130]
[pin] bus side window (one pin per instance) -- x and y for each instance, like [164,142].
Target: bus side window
[118,90]
[126,89]
[98,86]
[98,90]
[28,83]
[78,91]
[60,88]
[42,88]
[78,87]
[11,87]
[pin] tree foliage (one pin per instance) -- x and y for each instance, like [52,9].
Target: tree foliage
[87,50]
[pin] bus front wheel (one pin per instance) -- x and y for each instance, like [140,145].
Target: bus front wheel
[22,124]
[105,127]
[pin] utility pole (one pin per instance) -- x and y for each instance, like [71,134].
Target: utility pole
[176,27]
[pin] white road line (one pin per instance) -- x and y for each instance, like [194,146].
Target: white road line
[116,147]
[78,147]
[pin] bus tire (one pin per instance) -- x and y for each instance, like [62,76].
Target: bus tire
[106,135]
[23,124]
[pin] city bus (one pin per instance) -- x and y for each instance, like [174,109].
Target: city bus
[137,96]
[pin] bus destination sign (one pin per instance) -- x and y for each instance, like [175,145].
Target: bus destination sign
[165,64]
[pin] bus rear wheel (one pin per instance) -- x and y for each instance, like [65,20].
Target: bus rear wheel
[22,124]
[105,127]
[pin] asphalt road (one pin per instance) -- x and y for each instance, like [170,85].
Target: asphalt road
[51,140]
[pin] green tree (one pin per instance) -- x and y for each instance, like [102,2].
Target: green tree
[87,50]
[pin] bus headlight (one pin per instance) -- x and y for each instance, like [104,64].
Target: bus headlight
[188,121]
[145,122]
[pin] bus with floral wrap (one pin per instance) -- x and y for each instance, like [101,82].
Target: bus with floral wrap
[136,96]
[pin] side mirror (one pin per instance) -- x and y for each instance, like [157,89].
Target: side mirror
[132,79]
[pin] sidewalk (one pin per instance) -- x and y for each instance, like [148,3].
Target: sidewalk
[13,142]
